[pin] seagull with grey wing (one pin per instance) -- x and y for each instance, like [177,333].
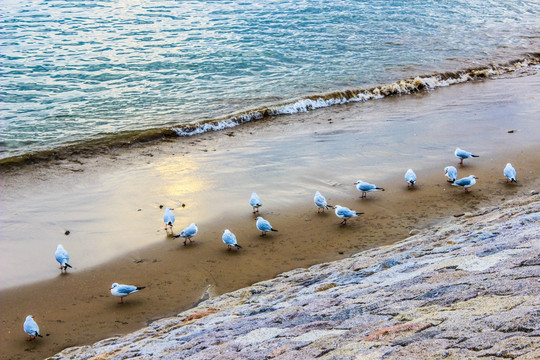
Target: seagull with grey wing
[463,154]
[31,328]
[345,213]
[510,173]
[229,239]
[410,178]
[364,187]
[320,202]
[451,173]
[466,182]
[264,226]
[255,202]
[62,257]
[168,218]
[124,290]
[188,233]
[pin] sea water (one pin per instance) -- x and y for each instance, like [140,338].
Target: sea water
[103,73]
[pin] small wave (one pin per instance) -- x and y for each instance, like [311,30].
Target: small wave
[417,84]
[401,87]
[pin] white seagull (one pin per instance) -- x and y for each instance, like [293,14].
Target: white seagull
[124,290]
[451,173]
[320,202]
[364,187]
[510,173]
[255,202]
[264,226]
[31,328]
[466,182]
[463,154]
[168,218]
[229,239]
[345,213]
[188,233]
[62,257]
[410,178]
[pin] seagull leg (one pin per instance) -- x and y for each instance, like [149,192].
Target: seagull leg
[121,300]
[228,247]
[461,161]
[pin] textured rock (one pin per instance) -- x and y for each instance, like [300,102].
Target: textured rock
[462,290]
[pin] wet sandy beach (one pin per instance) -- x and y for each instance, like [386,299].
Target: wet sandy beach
[110,205]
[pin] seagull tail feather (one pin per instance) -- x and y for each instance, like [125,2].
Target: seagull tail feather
[38,334]
[273,230]
[238,246]
[475,155]
[140,287]
[69,265]
[380,189]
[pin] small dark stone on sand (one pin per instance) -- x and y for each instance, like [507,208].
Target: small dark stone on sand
[340,252]
[67,232]
[139,209]
[183,205]
[511,131]
[161,206]
[459,215]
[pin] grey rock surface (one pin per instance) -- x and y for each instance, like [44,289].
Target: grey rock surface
[466,289]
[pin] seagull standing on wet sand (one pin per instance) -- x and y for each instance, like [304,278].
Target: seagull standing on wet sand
[320,202]
[463,154]
[364,187]
[264,226]
[466,182]
[410,178]
[255,202]
[62,257]
[345,213]
[510,173]
[168,218]
[451,173]
[124,290]
[188,233]
[31,328]
[229,239]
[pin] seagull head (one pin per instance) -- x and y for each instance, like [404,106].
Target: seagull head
[113,286]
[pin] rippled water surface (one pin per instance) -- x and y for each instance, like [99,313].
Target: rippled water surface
[73,71]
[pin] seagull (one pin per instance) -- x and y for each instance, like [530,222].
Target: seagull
[510,173]
[451,173]
[31,328]
[124,290]
[466,182]
[364,187]
[229,239]
[62,257]
[168,218]
[320,202]
[264,226]
[188,233]
[410,178]
[462,154]
[255,202]
[345,213]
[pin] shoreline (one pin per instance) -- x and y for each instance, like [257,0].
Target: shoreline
[176,277]
[284,162]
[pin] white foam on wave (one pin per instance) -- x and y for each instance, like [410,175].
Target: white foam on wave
[402,87]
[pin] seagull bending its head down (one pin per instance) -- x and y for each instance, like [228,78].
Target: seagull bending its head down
[466,182]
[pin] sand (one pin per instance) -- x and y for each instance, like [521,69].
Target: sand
[110,204]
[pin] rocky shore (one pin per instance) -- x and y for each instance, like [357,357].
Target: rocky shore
[468,288]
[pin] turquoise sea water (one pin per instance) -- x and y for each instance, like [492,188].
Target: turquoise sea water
[76,74]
